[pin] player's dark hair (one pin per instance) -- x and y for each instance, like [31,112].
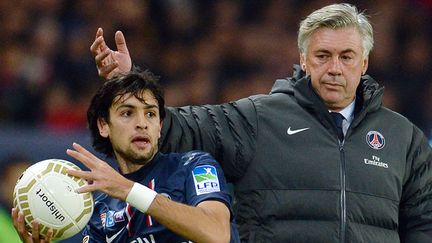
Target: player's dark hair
[133,82]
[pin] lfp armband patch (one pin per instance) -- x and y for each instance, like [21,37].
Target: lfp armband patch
[206,179]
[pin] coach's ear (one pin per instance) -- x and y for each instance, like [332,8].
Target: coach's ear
[103,127]
[303,63]
[365,65]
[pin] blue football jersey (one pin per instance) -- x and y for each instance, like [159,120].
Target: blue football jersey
[188,178]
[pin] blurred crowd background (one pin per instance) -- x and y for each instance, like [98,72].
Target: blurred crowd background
[205,51]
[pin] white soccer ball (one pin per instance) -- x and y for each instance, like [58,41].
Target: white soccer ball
[46,193]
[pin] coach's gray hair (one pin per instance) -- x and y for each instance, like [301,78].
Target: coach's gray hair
[336,16]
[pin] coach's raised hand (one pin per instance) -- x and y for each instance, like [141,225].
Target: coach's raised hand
[109,62]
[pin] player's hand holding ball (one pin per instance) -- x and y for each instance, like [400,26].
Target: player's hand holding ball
[46,204]
[33,235]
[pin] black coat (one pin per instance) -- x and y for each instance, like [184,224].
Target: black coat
[306,186]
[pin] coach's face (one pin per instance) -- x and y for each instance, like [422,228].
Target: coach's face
[334,60]
[134,128]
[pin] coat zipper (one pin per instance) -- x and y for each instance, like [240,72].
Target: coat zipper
[343,193]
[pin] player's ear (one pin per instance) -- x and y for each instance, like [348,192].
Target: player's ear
[160,131]
[103,127]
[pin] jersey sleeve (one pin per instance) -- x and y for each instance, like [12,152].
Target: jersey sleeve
[205,180]
[93,232]
[227,132]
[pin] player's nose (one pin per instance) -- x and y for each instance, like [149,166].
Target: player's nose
[141,122]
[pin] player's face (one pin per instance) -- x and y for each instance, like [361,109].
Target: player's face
[134,128]
[334,60]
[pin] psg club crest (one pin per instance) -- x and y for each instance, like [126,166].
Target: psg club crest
[375,140]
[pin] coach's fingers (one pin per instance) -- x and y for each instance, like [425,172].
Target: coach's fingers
[102,58]
[99,43]
[95,47]
[121,42]
[106,71]
[99,32]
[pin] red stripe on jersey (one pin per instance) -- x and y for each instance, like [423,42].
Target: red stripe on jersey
[149,220]
[129,217]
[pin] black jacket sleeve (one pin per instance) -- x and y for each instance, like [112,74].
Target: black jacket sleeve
[226,131]
[415,218]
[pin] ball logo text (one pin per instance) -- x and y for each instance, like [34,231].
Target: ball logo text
[50,204]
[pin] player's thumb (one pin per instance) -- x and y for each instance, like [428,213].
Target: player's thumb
[121,42]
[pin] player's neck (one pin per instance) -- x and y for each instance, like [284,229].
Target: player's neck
[126,166]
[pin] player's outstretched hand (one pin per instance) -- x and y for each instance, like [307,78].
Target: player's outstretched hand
[24,234]
[108,62]
[101,177]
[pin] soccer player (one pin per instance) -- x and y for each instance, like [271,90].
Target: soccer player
[155,197]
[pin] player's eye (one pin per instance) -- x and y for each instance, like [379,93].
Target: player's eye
[151,114]
[126,113]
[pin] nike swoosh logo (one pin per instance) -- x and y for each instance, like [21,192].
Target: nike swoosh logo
[110,239]
[291,132]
